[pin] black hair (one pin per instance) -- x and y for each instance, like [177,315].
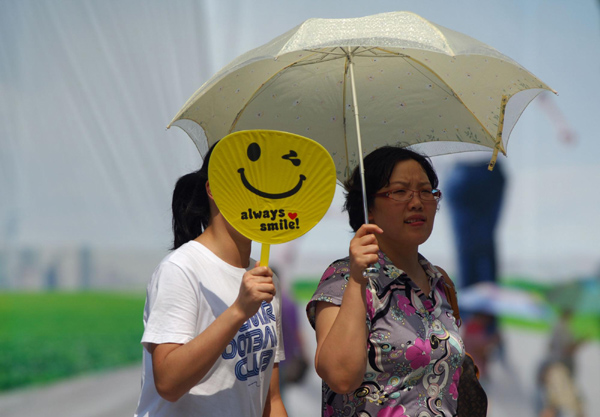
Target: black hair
[379,165]
[190,205]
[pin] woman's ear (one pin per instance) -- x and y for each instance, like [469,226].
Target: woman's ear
[211,202]
[207,186]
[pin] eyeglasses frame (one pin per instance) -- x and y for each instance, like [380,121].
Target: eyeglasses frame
[433,191]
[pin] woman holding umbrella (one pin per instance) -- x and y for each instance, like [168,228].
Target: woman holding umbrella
[212,319]
[387,342]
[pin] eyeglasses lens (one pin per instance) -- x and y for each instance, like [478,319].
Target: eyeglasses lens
[425,195]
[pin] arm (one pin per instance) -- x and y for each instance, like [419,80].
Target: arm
[341,356]
[274,406]
[177,368]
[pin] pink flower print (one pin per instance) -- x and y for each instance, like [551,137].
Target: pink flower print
[456,375]
[328,272]
[370,309]
[428,304]
[453,389]
[404,305]
[398,411]
[328,412]
[419,354]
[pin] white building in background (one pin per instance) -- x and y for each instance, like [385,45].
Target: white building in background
[76,268]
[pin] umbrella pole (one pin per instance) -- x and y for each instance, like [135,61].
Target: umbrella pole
[370,272]
[361,165]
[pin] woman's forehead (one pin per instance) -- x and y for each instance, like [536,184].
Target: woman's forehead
[409,171]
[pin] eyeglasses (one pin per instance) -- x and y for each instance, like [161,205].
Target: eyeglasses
[404,194]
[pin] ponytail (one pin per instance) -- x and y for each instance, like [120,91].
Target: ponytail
[190,205]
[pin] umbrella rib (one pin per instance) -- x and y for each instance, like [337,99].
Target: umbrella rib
[331,51]
[254,94]
[456,96]
[388,54]
[331,55]
[451,92]
[326,56]
[323,59]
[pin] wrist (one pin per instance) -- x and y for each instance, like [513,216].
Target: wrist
[237,314]
[356,275]
[357,282]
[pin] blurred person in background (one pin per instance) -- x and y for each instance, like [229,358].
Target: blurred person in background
[293,369]
[212,338]
[479,342]
[475,196]
[558,394]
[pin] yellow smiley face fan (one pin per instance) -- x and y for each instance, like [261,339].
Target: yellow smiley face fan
[271,186]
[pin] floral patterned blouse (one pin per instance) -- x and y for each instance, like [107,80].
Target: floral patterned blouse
[414,348]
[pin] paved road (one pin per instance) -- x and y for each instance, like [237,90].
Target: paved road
[106,394]
[511,387]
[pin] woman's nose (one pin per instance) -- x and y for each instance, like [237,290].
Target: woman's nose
[415,200]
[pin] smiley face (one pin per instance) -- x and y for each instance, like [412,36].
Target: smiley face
[271,186]
[254,153]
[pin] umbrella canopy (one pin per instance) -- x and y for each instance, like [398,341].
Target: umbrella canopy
[416,83]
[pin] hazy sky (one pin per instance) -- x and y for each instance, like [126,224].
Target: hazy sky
[87,88]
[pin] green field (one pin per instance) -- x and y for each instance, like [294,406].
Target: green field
[48,336]
[52,335]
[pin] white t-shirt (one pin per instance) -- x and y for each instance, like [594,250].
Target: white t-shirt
[189,289]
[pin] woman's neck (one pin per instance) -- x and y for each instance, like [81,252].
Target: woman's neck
[407,259]
[404,258]
[226,242]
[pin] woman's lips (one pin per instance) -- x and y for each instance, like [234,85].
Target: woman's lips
[415,220]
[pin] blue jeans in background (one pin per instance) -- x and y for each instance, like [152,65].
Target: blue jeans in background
[475,198]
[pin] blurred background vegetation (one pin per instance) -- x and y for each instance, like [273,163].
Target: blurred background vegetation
[48,336]
[53,335]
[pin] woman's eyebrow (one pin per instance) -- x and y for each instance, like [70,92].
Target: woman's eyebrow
[399,183]
[406,183]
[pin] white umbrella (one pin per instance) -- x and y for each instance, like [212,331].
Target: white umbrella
[417,84]
[490,298]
